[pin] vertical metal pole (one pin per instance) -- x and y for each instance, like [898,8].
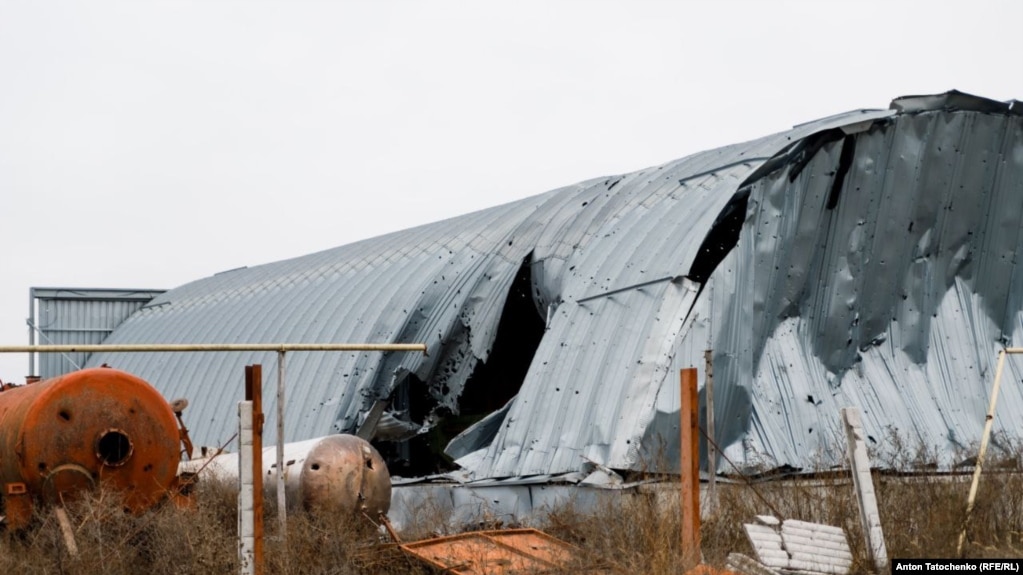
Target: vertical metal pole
[988,422]
[254,393]
[246,507]
[282,510]
[712,454]
[31,330]
[859,463]
[689,463]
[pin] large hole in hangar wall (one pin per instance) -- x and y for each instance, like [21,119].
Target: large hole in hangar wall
[490,386]
[723,236]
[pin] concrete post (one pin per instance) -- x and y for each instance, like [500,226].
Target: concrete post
[870,519]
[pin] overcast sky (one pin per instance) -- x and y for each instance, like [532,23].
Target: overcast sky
[149,144]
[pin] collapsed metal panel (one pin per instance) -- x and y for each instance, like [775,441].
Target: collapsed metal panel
[603,379]
[891,289]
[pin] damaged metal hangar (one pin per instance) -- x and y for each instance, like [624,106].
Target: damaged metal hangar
[867,259]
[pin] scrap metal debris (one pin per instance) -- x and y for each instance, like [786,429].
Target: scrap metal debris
[505,552]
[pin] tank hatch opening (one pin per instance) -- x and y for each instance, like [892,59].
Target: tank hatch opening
[113,448]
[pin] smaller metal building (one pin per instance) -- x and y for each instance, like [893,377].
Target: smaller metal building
[76,316]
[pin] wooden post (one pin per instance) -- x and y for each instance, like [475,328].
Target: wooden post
[254,394]
[988,422]
[712,454]
[689,463]
[859,463]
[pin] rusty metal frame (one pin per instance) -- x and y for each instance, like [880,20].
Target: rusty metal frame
[501,551]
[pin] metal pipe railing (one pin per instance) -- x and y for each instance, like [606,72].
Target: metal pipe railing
[180,347]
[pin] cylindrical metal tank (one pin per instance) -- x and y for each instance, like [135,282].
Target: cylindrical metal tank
[344,472]
[338,473]
[91,427]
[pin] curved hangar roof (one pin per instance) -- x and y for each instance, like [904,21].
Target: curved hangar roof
[866,259]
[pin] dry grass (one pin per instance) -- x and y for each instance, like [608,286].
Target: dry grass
[921,515]
[632,532]
[173,541]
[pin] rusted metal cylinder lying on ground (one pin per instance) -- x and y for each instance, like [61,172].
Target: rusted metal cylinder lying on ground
[93,427]
[336,473]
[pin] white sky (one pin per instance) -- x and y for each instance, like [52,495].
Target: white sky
[147,144]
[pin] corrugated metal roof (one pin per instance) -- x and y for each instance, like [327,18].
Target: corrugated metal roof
[830,293]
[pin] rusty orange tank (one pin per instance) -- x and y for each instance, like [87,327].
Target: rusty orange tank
[94,427]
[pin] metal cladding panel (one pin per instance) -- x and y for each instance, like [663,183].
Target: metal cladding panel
[80,316]
[864,290]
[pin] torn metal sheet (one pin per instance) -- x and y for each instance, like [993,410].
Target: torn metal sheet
[892,291]
[479,434]
[577,386]
[866,259]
